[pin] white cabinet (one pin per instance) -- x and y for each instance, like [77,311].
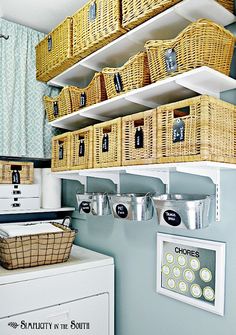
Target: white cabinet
[72,293]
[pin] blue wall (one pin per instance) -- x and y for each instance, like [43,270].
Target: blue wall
[139,309]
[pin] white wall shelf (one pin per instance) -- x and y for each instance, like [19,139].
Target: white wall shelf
[203,80]
[211,170]
[163,26]
[40,210]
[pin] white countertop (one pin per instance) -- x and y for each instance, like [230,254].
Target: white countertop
[80,259]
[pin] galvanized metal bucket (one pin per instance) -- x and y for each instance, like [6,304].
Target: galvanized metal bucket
[187,211]
[135,207]
[93,204]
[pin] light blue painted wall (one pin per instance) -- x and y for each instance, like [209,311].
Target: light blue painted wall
[139,309]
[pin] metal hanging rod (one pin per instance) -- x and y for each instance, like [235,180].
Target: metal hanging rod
[4,36]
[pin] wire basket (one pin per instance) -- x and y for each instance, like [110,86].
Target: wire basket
[16,172]
[61,151]
[133,74]
[96,24]
[82,149]
[107,144]
[202,43]
[34,250]
[195,130]
[54,53]
[135,12]
[139,138]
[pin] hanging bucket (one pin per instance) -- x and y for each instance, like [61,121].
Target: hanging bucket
[93,204]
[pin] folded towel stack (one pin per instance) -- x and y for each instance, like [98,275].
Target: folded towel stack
[12,230]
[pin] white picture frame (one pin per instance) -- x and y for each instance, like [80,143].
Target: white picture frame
[219,273]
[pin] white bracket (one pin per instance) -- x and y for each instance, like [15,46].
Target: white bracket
[141,102]
[164,176]
[214,175]
[113,176]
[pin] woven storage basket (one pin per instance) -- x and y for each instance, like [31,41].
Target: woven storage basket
[207,133]
[25,170]
[139,134]
[202,43]
[54,52]
[82,149]
[133,74]
[95,25]
[33,250]
[135,12]
[107,144]
[61,152]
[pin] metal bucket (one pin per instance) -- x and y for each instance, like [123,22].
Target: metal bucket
[93,204]
[135,207]
[183,210]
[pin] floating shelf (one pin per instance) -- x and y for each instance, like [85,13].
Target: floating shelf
[211,170]
[41,210]
[163,26]
[203,80]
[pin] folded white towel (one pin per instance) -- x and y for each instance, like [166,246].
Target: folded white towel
[12,230]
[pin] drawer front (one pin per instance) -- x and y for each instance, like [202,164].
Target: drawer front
[19,204]
[88,316]
[20,191]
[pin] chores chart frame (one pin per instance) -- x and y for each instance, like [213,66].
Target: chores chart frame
[192,271]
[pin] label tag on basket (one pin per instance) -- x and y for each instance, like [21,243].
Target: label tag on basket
[61,151]
[121,211]
[105,143]
[139,138]
[178,130]
[55,108]
[49,43]
[171,60]
[81,148]
[172,218]
[83,99]
[15,177]
[85,207]
[93,11]
[118,82]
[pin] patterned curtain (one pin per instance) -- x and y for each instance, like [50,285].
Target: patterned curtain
[24,131]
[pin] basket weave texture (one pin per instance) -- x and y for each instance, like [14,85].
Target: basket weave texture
[25,169]
[33,250]
[209,131]
[134,150]
[82,149]
[110,132]
[135,12]
[69,100]
[54,53]
[133,74]
[96,24]
[61,150]
[202,43]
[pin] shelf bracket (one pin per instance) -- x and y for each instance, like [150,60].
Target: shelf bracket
[95,116]
[74,176]
[164,176]
[214,175]
[141,102]
[113,176]
[200,90]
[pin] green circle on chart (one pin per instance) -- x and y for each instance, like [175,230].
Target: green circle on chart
[165,270]
[189,275]
[171,283]
[183,287]
[176,271]
[195,264]
[205,275]
[196,291]
[209,293]
[170,258]
[182,260]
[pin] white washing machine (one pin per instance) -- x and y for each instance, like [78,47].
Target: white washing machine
[76,297]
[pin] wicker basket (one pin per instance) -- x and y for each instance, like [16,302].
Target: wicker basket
[196,129]
[61,152]
[202,43]
[72,98]
[96,24]
[82,149]
[135,12]
[54,52]
[139,134]
[107,144]
[133,74]
[25,172]
[34,250]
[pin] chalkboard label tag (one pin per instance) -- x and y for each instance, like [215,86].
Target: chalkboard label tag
[171,60]
[178,130]
[93,11]
[55,108]
[105,143]
[49,43]
[85,206]
[121,211]
[81,148]
[61,151]
[118,83]
[172,218]
[139,138]
[83,99]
